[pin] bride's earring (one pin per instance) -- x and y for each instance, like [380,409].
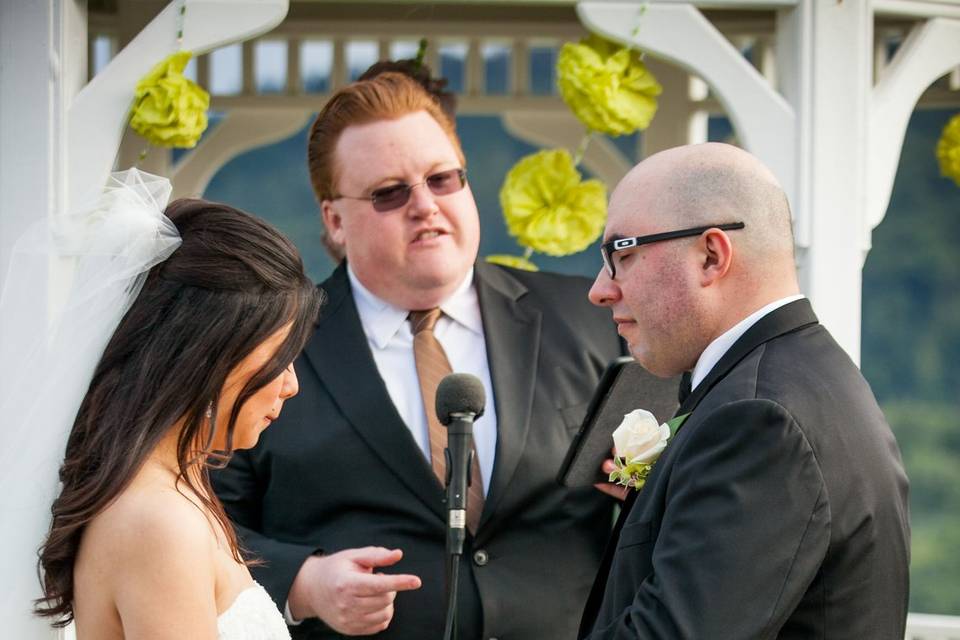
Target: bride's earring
[209,412]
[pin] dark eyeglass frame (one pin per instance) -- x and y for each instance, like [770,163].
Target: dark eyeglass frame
[397,195]
[607,249]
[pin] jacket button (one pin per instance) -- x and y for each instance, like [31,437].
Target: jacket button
[481,558]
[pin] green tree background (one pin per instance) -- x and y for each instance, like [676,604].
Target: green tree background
[911,354]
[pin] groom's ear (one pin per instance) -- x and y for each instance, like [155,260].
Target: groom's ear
[715,253]
[333,221]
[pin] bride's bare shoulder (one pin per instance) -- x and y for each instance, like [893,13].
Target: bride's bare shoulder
[149,527]
[149,553]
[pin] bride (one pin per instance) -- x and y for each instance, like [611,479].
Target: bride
[198,366]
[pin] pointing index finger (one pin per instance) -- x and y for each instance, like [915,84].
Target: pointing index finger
[373,584]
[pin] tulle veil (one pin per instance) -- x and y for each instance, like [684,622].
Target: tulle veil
[69,282]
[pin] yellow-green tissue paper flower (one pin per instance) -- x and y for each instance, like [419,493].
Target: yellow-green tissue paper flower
[548,208]
[168,109]
[948,150]
[517,262]
[607,86]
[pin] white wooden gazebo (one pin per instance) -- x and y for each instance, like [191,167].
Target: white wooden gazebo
[819,98]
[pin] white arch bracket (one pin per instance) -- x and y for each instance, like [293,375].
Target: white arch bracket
[679,33]
[96,117]
[931,50]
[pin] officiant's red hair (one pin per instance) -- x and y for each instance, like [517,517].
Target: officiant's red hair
[387,96]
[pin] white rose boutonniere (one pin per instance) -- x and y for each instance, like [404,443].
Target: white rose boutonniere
[638,443]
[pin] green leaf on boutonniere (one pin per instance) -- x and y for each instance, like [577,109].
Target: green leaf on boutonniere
[676,423]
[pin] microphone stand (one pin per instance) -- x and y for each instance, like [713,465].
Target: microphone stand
[459,454]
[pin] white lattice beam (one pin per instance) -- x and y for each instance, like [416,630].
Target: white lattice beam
[96,117]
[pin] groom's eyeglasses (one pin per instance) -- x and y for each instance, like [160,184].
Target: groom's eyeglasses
[607,249]
[397,195]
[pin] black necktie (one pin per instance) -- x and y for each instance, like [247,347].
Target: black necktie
[684,390]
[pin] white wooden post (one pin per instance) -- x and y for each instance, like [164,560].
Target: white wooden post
[43,47]
[826,55]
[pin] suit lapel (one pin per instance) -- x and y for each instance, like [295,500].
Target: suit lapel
[790,317]
[512,336]
[599,588]
[341,356]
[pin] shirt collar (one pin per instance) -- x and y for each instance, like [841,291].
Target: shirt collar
[381,320]
[715,350]
[463,306]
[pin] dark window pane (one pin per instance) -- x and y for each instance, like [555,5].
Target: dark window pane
[316,64]
[496,68]
[270,74]
[543,70]
[360,55]
[404,49]
[453,65]
[226,70]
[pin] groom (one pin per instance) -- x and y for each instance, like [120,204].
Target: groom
[779,507]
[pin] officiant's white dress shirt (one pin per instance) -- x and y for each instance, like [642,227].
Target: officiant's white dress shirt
[459,330]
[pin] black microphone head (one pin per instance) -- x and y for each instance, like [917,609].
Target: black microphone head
[460,393]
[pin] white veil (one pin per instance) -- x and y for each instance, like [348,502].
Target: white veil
[69,283]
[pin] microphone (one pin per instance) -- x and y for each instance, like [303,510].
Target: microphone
[460,401]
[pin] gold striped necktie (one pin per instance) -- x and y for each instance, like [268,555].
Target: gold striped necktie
[432,367]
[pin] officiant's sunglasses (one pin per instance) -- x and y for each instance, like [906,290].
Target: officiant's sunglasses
[607,249]
[397,195]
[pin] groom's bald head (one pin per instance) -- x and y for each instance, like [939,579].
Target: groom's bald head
[674,297]
[709,183]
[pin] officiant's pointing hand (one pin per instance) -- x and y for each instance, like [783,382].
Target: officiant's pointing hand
[344,590]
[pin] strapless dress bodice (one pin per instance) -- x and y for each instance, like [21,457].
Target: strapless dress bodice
[252,616]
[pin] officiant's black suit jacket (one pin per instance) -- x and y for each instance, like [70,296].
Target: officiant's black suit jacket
[779,510]
[340,469]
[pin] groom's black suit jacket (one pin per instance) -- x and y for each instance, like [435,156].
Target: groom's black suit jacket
[778,510]
[340,469]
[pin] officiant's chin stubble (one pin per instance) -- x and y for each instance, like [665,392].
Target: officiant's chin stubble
[264,405]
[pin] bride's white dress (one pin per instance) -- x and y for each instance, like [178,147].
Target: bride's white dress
[252,616]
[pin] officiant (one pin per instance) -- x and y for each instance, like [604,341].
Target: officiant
[343,499]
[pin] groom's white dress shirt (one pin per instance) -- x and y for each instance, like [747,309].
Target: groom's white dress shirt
[720,345]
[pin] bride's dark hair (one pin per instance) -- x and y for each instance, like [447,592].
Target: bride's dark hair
[233,283]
